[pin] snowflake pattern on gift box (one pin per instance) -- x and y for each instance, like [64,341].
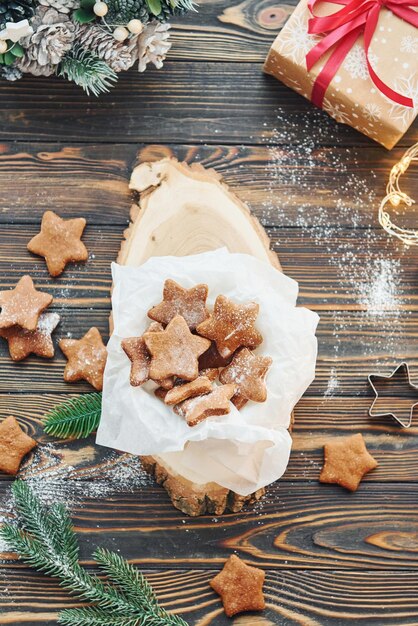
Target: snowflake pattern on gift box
[407,86]
[355,62]
[409,44]
[295,41]
[372,111]
[337,111]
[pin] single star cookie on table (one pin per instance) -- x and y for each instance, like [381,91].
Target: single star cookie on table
[231,326]
[189,303]
[86,358]
[14,445]
[217,402]
[59,242]
[23,342]
[240,587]
[247,371]
[175,351]
[23,305]
[346,461]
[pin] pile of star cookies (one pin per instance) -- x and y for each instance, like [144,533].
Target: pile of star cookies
[24,321]
[186,350]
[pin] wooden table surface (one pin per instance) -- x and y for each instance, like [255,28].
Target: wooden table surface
[331,557]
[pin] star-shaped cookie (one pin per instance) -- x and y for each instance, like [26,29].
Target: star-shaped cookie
[346,461]
[175,351]
[59,242]
[196,387]
[240,587]
[247,371]
[24,342]
[86,358]
[22,305]
[14,445]
[217,402]
[231,326]
[189,303]
[137,352]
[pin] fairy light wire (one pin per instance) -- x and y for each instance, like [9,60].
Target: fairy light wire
[395,196]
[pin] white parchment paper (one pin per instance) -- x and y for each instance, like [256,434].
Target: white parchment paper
[246,449]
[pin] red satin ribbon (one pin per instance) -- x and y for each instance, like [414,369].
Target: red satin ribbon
[342,29]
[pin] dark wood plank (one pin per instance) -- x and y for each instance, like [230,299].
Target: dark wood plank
[333,186]
[334,269]
[200,102]
[329,598]
[297,526]
[316,421]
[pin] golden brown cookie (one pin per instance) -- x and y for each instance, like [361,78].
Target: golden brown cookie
[137,352]
[59,242]
[14,445]
[346,461]
[175,351]
[211,372]
[231,326]
[197,387]
[86,358]
[247,371]
[189,303]
[240,587]
[23,305]
[24,342]
[217,402]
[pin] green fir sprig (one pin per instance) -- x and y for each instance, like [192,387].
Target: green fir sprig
[88,71]
[44,539]
[76,418]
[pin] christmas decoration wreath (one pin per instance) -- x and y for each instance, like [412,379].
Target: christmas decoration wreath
[85,41]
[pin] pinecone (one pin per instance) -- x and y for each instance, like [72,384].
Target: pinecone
[119,56]
[122,11]
[16,10]
[167,12]
[27,66]
[153,45]
[52,38]
[63,6]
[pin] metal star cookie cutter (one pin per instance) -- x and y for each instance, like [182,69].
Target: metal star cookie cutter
[405,367]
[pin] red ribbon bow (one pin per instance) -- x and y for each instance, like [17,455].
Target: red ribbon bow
[342,29]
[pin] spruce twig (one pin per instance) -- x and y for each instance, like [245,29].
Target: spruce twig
[46,541]
[76,418]
[88,71]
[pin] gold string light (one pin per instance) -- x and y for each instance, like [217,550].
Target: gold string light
[395,196]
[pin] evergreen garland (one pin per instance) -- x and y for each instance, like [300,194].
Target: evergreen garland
[88,71]
[76,418]
[45,540]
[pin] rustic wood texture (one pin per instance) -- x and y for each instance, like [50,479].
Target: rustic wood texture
[331,557]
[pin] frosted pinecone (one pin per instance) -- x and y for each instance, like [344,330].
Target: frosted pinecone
[52,38]
[63,6]
[153,45]
[10,72]
[27,66]
[120,56]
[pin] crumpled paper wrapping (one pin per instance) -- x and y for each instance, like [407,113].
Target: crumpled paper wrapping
[351,97]
[244,450]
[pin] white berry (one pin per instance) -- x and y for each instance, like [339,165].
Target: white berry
[100,9]
[135,27]
[120,33]
[3,46]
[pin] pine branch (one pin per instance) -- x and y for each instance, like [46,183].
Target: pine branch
[88,71]
[186,5]
[76,418]
[46,541]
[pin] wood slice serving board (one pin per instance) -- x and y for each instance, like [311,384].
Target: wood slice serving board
[182,210]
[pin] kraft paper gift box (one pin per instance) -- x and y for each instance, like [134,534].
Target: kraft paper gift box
[351,97]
